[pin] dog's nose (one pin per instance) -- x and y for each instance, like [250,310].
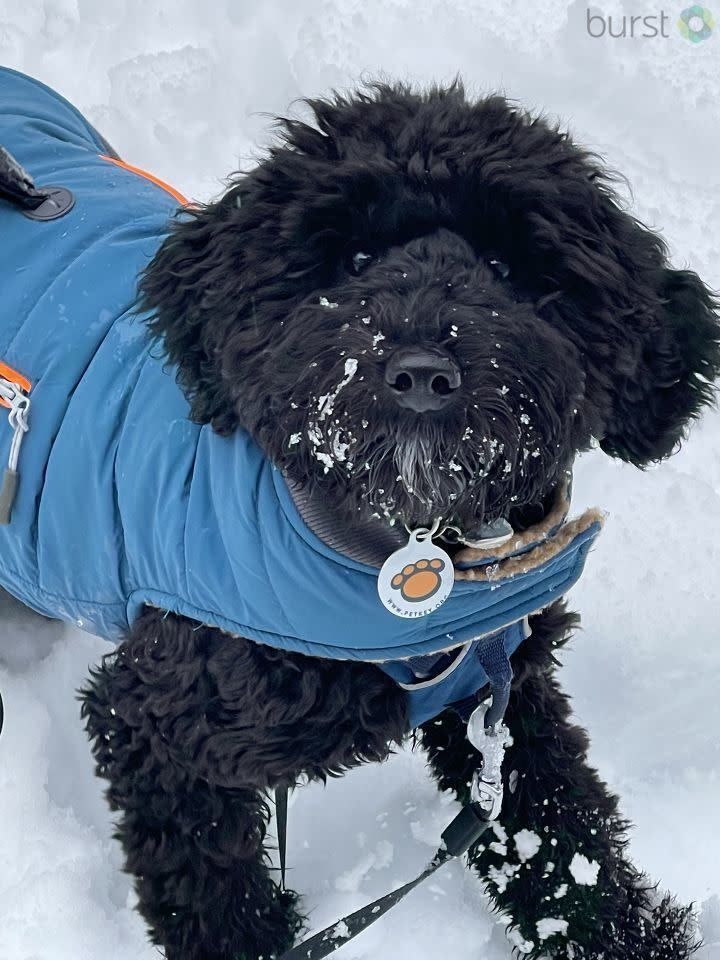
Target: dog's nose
[422,378]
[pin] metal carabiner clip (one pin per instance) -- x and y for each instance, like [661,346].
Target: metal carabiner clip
[486,788]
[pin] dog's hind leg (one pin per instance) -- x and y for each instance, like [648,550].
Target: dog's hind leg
[557,865]
[192,728]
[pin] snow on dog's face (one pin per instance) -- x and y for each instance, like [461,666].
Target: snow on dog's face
[421,384]
[424,307]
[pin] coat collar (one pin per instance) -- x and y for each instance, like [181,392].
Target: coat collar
[371,542]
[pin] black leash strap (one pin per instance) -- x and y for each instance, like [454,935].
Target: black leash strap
[465,830]
[281,809]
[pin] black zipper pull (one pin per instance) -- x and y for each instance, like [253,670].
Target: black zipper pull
[7,494]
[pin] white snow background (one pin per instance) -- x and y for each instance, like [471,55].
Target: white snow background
[185,89]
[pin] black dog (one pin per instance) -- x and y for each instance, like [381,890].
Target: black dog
[482,270]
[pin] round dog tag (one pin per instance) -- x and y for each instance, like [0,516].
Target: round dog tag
[416,579]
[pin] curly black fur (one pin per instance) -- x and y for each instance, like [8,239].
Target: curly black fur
[489,236]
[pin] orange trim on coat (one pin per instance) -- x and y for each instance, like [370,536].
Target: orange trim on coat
[14,377]
[148,176]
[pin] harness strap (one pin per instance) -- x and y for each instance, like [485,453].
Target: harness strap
[496,664]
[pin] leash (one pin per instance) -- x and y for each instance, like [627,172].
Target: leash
[466,829]
[281,813]
[469,825]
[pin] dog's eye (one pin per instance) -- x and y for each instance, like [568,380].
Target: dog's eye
[360,260]
[500,268]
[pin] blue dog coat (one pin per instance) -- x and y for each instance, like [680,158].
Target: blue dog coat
[122,501]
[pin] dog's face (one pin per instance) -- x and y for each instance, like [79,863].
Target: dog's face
[416,380]
[424,307]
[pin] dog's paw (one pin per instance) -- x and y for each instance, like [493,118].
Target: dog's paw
[420,580]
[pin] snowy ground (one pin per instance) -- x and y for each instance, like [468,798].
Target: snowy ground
[184,89]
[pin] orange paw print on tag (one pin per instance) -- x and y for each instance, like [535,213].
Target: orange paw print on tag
[420,580]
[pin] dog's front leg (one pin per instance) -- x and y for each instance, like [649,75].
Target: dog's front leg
[192,728]
[168,736]
[557,864]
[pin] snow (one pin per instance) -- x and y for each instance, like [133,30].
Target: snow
[351,880]
[184,90]
[519,942]
[325,406]
[341,931]
[501,876]
[584,872]
[550,925]
[527,844]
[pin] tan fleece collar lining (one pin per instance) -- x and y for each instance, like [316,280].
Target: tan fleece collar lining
[518,555]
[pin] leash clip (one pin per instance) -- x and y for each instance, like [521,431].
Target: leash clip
[491,742]
[488,796]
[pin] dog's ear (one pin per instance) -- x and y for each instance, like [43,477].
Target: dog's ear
[192,292]
[259,245]
[650,334]
[671,377]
